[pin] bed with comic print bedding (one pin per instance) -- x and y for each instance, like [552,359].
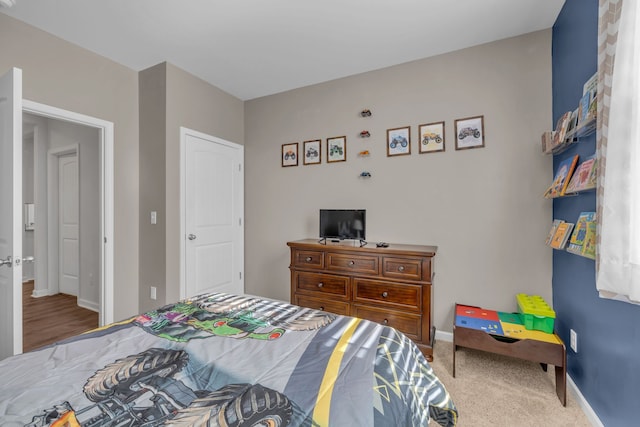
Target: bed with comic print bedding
[227,360]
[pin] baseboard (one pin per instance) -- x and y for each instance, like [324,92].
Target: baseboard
[584,405]
[37,293]
[573,388]
[89,305]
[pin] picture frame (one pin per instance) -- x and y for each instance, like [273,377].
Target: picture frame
[469,132]
[290,154]
[312,152]
[399,141]
[337,149]
[431,137]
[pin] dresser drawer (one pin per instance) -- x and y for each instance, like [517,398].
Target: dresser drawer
[402,268]
[408,324]
[400,296]
[308,259]
[362,264]
[336,307]
[322,283]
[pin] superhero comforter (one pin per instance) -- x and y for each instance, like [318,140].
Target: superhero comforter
[227,360]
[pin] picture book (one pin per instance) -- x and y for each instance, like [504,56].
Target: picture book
[583,108]
[561,129]
[589,248]
[554,227]
[562,177]
[592,182]
[577,240]
[561,236]
[580,179]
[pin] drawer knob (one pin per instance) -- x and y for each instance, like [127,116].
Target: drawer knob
[308,259]
[352,262]
[320,285]
[385,322]
[321,308]
[401,268]
[385,294]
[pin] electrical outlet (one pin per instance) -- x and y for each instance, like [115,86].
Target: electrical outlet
[153,293]
[574,341]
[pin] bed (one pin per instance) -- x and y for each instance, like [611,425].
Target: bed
[227,360]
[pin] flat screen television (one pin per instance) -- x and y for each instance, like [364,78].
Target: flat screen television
[343,224]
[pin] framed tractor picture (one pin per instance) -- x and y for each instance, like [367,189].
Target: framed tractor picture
[431,137]
[290,154]
[312,152]
[399,141]
[469,133]
[337,149]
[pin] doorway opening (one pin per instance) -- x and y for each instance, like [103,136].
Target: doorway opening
[68,180]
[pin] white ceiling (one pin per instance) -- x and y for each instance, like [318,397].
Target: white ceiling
[253,48]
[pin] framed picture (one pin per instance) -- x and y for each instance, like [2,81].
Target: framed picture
[399,141]
[290,154]
[337,149]
[469,133]
[312,152]
[431,137]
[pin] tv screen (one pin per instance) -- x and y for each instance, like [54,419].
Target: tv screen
[343,224]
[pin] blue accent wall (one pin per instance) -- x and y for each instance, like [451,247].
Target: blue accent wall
[606,367]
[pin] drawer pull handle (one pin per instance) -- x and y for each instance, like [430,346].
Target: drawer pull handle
[385,322]
[385,294]
[308,259]
[321,308]
[320,285]
[352,262]
[401,268]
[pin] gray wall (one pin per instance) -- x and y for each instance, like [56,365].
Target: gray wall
[63,75]
[174,98]
[482,207]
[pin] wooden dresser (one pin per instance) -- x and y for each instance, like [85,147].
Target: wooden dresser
[391,285]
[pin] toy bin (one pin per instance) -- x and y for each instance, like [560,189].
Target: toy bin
[535,313]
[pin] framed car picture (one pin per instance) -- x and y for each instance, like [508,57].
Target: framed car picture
[337,149]
[431,137]
[399,141]
[312,152]
[290,154]
[469,132]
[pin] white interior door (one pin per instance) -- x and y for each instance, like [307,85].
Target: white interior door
[11,213]
[214,196]
[69,226]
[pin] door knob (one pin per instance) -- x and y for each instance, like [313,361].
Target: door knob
[28,259]
[8,262]
[191,237]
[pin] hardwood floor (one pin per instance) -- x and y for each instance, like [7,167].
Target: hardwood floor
[46,320]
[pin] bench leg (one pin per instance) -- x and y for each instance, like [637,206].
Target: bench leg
[561,384]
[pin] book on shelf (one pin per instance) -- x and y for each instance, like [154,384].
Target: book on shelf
[552,232]
[577,239]
[592,182]
[562,177]
[560,131]
[547,142]
[589,248]
[580,179]
[561,235]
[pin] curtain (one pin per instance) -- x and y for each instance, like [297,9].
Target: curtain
[618,151]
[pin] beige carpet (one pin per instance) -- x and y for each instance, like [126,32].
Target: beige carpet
[497,391]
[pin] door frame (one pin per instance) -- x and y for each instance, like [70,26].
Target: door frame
[106,141]
[184,132]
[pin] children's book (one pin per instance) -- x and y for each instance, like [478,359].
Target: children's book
[577,240]
[592,182]
[580,179]
[554,227]
[561,236]
[561,129]
[589,248]
[562,177]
